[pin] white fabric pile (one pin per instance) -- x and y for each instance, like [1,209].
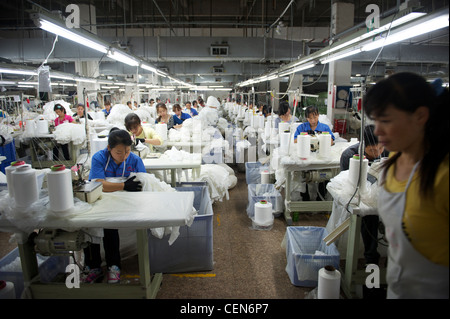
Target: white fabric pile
[118,114]
[69,132]
[50,115]
[220,178]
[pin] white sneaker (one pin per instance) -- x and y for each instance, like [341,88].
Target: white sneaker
[113,275]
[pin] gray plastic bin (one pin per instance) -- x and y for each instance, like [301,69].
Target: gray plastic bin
[303,259]
[268,192]
[193,249]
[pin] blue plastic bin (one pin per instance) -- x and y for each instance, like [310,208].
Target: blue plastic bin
[268,192]
[253,172]
[9,151]
[193,249]
[303,261]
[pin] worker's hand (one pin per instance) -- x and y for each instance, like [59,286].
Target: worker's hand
[131,185]
[142,140]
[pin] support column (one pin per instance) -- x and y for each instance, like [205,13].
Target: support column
[339,72]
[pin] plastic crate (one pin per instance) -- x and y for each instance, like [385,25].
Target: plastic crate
[48,269]
[193,249]
[253,172]
[268,192]
[303,262]
[9,151]
[215,156]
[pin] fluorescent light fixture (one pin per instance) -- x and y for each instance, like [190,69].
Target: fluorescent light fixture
[7,83]
[110,87]
[148,67]
[17,71]
[340,56]
[28,83]
[86,80]
[222,89]
[60,76]
[419,29]
[25,86]
[298,69]
[71,35]
[121,57]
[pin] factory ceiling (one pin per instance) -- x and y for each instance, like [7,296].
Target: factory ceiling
[180,36]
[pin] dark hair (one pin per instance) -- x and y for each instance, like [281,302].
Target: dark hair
[176,107]
[311,110]
[107,102]
[160,105]
[59,107]
[129,102]
[119,137]
[369,137]
[283,107]
[187,102]
[132,120]
[407,92]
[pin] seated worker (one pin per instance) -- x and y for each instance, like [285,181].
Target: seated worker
[267,110]
[284,114]
[80,113]
[373,150]
[313,125]
[142,134]
[112,167]
[164,116]
[62,118]
[190,110]
[107,109]
[179,117]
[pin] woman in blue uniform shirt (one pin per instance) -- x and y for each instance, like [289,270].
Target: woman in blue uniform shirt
[312,125]
[112,167]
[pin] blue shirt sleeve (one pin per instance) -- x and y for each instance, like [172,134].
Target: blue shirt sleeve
[301,128]
[97,166]
[185,116]
[177,120]
[325,128]
[194,112]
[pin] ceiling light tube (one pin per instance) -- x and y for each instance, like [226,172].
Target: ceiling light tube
[121,57]
[17,71]
[340,56]
[298,69]
[71,35]
[419,29]
[86,80]
[148,67]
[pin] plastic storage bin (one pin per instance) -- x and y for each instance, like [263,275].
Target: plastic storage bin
[9,151]
[253,172]
[307,253]
[214,156]
[193,249]
[268,192]
[48,269]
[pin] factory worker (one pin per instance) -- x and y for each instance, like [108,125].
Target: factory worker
[141,134]
[284,114]
[112,167]
[107,109]
[180,116]
[80,113]
[190,110]
[201,103]
[313,125]
[62,118]
[164,116]
[212,102]
[267,110]
[411,119]
[373,151]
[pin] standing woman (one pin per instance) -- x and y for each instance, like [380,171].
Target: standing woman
[112,167]
[62,118]
[164,116]
[411,120]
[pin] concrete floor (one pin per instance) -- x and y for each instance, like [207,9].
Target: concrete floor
[248,264]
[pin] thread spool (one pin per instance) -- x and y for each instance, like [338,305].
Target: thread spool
[263,213]
[7,290]
[265,177]
[267,129]
[304,145]
[161,129]
[282,126]
[284,142]
[41,126]
[98,144]
[324,144]
[329,283]
[25,186]
[353,171]
[30,127]
[60,192]
[261,121]
[9,178]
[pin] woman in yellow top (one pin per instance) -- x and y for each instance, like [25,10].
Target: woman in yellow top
[412,121]
[145,135]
